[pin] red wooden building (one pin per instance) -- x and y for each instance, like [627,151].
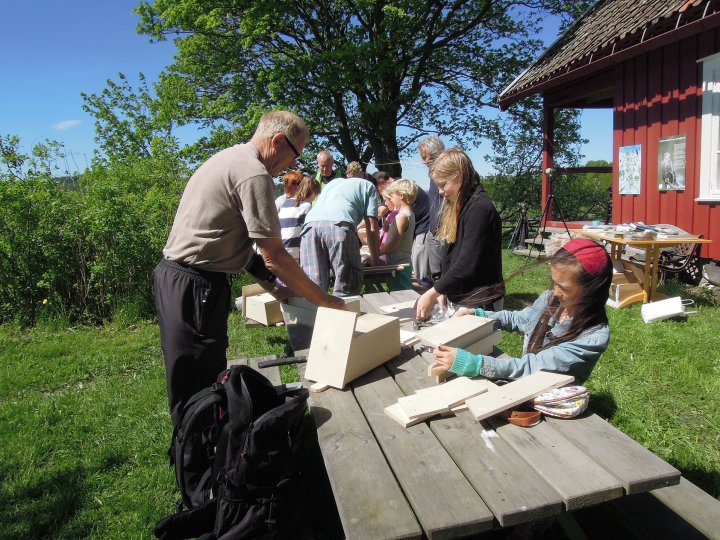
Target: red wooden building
[656,63]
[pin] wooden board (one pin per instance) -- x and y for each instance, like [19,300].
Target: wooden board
[408,338]
[456,331]
[507,484]
[330,346]
[395,411]
[445,503]
[371,303]
[405,311]
[369,500]
[486,344]
[695,506]
[438,398]
[344,346]
[636,467]
[299,311]
[576,477]
[515,393]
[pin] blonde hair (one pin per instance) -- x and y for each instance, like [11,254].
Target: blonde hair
[453,165]
[407,189]
[309,186]
[353,170]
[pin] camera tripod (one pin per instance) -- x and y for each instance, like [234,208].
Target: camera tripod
[522,229]
[550,203]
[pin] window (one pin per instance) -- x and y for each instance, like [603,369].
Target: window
[710,135]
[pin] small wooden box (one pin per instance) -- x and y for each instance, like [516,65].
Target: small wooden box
[263,308]
[346,345]
[300,311]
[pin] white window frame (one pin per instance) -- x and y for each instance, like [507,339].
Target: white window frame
[709,180]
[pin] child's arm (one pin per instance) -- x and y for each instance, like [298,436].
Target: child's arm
[397,231]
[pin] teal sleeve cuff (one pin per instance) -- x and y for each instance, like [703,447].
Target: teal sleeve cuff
[466,364]
[480,312]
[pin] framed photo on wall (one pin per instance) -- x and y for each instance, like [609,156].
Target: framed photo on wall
[671,162]
[629,164]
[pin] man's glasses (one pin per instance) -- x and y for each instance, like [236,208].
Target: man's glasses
[292,146]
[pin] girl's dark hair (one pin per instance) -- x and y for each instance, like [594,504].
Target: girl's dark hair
[590,310]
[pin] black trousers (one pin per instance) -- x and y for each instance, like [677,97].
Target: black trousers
[193,307]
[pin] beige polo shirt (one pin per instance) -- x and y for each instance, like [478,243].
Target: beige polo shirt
[229,201]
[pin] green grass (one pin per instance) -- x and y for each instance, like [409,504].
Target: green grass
[84,423]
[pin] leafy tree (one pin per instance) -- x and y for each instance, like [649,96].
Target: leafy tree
[517,154]
[131,124]
[371,76]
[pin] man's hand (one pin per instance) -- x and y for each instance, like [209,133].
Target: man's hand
[464,311]
[279,261]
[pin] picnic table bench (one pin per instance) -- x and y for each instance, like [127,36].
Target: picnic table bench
[454,476]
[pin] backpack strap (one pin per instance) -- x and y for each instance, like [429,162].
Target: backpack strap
[188,524]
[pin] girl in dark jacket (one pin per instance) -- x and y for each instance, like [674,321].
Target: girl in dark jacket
[470,228]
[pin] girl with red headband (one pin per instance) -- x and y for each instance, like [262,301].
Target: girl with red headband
[566,329]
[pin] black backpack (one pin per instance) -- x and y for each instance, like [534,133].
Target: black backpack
[237,453]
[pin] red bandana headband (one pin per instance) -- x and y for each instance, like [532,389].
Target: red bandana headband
[589,254]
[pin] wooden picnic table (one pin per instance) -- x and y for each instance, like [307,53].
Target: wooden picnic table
[454,476]
[647,290]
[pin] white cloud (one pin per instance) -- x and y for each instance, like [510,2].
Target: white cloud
[67,124]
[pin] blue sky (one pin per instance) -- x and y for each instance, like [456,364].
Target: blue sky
[53,51]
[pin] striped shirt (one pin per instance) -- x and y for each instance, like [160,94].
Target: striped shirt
[291,221]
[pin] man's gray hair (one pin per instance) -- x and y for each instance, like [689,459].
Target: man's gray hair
[285,122]
[433,146]
[324,154]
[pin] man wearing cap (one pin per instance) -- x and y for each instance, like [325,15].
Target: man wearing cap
[228,204]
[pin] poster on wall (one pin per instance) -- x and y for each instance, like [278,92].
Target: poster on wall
[629,158]
[671,163]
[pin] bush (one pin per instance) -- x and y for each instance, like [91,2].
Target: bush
[80,254]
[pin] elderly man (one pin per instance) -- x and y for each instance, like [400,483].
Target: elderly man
[427,250]
[326,172]
[329,238]
[228,204]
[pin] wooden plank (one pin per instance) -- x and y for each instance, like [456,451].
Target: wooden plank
[698,508]
[402,310]
[457,331]
[515,393]
[374,301]
[330,346]
[636,467]
[507,484]
[445,396]
[370,502]
[444,502]
[569,470]
[345,346]
[486,344]
[405,295]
